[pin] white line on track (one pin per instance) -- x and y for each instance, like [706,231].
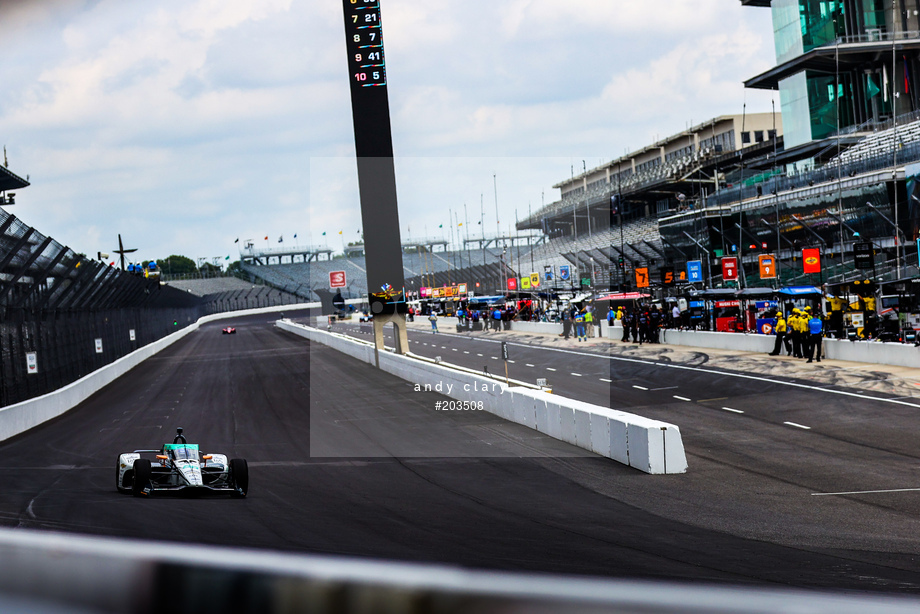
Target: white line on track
[465,352]
[680,398]
[604,379]
[576,374]
[734,411]
[640,387]
[527,364]
[711,371]
[479,354]
[550,369]
[799,426]
[862,492]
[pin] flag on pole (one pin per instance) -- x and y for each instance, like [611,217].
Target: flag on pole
[324,234]
[906,80]
[266,238]
[237,240]
[228,257]
[281,239]
[884,83]
[340,232]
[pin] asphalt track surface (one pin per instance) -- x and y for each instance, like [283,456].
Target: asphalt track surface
[470,489]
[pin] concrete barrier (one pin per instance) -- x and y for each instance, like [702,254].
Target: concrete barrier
[648,445]
[555,328]
[20,417]
[742,342]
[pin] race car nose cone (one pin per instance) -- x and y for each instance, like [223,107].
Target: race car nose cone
[191,472]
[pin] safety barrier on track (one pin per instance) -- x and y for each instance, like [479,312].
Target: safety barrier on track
[75,574]
[648,445]
[20,417]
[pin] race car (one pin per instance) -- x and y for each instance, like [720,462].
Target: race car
[180,466]
[229,330]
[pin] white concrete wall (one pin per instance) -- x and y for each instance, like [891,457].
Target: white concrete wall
[722,341]
[874,352]
[18,418]
[648,445]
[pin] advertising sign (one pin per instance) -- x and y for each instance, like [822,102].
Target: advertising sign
[863,256]
[337,279]
[31,362]
[525,283]
[512,283]
[534,280]
[695,271]
[811,260]
[548,272]
[131,335]
[729,268]
[767,266]
[99,346]
[564,272]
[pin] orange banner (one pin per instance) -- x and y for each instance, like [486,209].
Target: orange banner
[642,278]
[767,266]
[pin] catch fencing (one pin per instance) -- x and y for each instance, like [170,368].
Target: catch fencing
[63,315]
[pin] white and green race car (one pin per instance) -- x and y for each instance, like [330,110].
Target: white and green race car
[180,466]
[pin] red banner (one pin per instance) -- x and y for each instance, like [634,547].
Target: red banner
[729,268]
[811,260]
[337,279]
[512,283]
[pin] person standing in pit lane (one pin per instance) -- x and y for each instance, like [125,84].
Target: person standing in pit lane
[643,325]
[566,324]
[626,323]
[580,326]
[780,330]
[806,332]
[654,324]
[795,333]
[589,322]
[816,331]
[433,318]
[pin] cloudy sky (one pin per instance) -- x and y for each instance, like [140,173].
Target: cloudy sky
[186,124]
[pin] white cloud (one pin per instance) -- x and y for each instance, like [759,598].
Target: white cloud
[188,123]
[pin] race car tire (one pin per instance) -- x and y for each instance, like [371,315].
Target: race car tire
[118,484]
[239,473]
[141,476]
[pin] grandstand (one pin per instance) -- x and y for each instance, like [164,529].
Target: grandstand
[421,267]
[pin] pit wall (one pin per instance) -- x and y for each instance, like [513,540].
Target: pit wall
[871,352]
[648,445]
[20,417]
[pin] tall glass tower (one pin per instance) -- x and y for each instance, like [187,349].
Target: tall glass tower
[841,63]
